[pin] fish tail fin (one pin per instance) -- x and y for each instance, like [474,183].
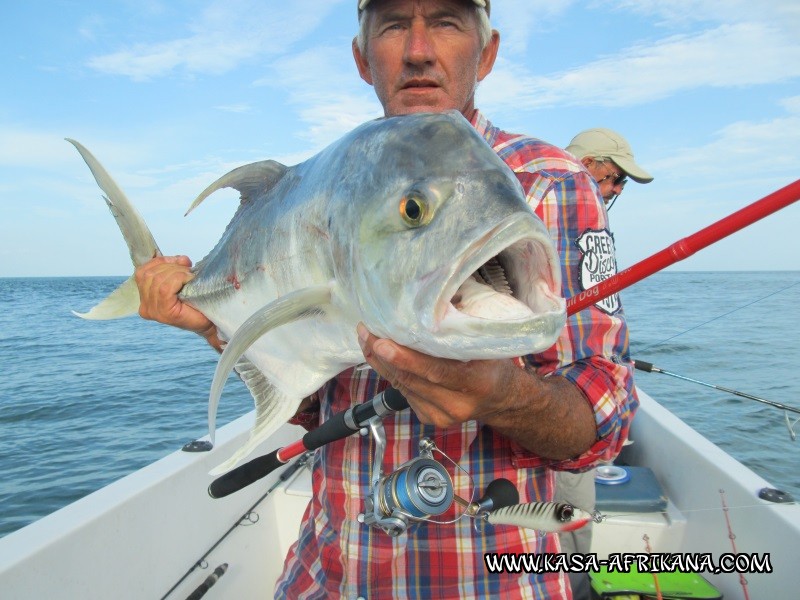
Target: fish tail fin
[124,301]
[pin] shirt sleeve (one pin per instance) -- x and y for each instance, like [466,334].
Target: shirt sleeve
[592,351]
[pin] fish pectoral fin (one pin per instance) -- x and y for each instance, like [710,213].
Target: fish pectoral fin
[272,410]
[249,180]
[299,304]
[122,302]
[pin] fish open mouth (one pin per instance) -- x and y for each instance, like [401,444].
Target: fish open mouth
[506,277]
[487,294]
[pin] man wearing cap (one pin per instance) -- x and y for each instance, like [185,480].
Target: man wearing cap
[566,408]
[609,158]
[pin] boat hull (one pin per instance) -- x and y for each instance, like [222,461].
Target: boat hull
[137,537]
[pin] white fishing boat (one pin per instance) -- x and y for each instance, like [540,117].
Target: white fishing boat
[158,534]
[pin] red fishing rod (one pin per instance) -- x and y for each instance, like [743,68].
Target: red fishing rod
[687,246]
[346,423]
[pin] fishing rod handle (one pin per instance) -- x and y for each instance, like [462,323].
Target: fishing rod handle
[645,366]
[339,426]
[345,423]
[244,475]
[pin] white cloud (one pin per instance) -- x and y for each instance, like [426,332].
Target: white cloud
[792,105]
[782,13]
[752,149]
[89,27]
[226,34]
[727,56]
[20,148]
[49,152]
[213,53]
[696,186]
[323,84]
[518,19]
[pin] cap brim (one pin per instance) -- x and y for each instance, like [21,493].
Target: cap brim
[481,3]
[634,171]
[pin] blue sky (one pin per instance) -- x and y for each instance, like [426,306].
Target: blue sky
[170,95]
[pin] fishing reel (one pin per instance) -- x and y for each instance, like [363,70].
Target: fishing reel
[416,491]
[421,489]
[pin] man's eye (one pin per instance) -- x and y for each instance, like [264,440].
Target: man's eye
[447,24]
[392,28]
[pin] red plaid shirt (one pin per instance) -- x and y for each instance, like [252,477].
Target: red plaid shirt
[336,556]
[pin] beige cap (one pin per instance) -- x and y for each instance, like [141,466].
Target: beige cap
[481,3]
[605,143]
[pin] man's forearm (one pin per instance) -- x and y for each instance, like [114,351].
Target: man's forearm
[548,416]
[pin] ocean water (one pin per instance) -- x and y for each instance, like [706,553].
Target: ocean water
[84,403]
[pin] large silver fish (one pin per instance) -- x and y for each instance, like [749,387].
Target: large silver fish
[411,225]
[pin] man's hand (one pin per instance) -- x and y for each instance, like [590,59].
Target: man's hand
[548,416]
[442,392]
[159,281]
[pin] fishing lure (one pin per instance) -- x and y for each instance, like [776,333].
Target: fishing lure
[550,517]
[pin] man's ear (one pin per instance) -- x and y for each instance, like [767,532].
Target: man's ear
[361,63]
[488,56]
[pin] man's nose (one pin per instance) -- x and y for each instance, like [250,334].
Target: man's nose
[419,45]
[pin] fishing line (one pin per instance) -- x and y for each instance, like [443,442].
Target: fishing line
[719,317]
[457,468]
[247,516]
[732,537]
[604,516]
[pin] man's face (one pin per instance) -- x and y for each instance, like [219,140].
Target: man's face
[424,55]
[609,177]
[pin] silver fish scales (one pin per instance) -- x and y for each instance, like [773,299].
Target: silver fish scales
[387,226]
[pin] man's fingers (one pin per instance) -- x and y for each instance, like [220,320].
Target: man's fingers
[159,282]
[441,391]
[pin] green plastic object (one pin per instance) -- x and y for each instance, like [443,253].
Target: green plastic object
[642,586]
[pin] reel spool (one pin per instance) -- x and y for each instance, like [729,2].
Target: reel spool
[421,488]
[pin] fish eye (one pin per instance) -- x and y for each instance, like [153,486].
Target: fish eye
[413,209]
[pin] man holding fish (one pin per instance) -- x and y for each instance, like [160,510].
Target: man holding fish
[562,409]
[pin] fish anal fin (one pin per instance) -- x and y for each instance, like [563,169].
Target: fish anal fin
[297,305]
[249,180]
[273,409]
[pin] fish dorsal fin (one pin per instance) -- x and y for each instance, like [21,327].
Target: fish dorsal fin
[248,180]
[296,305]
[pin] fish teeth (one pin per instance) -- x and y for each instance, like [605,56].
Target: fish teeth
[494,275]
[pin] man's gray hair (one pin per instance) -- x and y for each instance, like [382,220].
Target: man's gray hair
[484,27]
